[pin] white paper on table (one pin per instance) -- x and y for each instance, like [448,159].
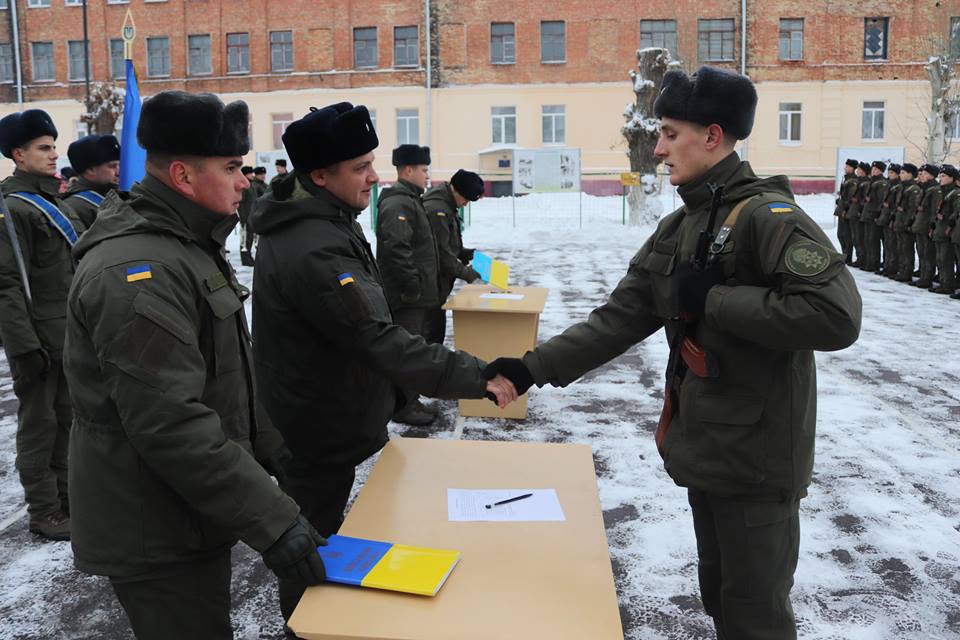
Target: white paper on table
[501,296]
[469,505]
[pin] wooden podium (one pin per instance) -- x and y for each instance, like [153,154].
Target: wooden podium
[523,580]
[489,323]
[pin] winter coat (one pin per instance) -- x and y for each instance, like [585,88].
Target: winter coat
[876,193]
[889,203]
[86,210]
[949,205]
[847,190]
[907,201]
[927,209]
[441,210]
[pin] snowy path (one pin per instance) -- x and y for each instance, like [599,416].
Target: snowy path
[880,550]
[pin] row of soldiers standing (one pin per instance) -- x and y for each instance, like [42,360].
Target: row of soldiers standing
[885,224]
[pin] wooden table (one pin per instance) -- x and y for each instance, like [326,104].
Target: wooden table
[529,580]
[490,328]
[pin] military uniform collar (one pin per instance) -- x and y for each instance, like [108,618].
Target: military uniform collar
[696,194]
[417,190]
[324,195]
[206,226]
[947,188]
[48,186]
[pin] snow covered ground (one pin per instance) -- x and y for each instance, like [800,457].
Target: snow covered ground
[880,550]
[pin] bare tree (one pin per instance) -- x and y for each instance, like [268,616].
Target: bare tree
[104,108]
[944,96]
[641,132]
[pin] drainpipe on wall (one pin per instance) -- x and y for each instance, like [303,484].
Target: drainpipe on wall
[15,30]
[426,20]
[743,59]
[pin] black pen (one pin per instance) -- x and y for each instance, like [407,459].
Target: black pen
[514,499]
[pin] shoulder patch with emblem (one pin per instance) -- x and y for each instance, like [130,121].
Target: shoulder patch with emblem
[441,214]
[807,258]
[402,218]
[780,207]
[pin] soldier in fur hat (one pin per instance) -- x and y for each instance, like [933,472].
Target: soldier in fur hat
[96,159]
[844,199]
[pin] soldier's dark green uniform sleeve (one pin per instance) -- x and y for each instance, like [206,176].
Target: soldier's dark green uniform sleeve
[625,319]
[394,242]
[813,303]
[147,346]
[16,326]
[336,301]
[440,220]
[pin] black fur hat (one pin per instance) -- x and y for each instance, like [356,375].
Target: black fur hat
[909,167]
[852,163]
[468,184]
[246,170]
[894,167]
[259,171]
[710,96]
[863,166]
[281,162]
[932,169]
[329,135]
[879,164]
[19,128]
[91,151]
[950,170]
[410,154]
[195,124]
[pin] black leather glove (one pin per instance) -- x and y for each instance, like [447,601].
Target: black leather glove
[294,555]
[466,255]
[693,287]
[513,370]
[470,274]
[32,365]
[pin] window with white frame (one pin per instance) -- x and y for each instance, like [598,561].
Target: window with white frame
[199,58]
[4,4]
[76,60]
[554,124]
[408,126]
[73,3]
[373,118]
[80,129]
[716,39]
[504,124]
[158,57]
[503,49]
[791,38]
[280,122]
[35,4]
[659,33]
[41,56]
[953,124]
[790,114]
[873,115]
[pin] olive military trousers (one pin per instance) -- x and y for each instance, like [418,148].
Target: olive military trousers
[890,254]
[906,256]
[845,237]
[927,253]
[43,438]
[747,553]
[871,245]
[946,264]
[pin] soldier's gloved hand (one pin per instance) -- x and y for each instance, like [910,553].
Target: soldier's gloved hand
[294,555]
[32,365]
[470,274]
[693,287]
[466,255]
[410,295]
[513,370]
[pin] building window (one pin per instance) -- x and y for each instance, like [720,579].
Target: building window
[659,33]
[875,38]
[791,38]
[4,4]
[118,1]
[238,53]
[503,49]
[117,68]
[954,37]
[716,40]
[373,118]
[554,121]
[42,59]
[6,62]
[406,46]
[790,122]
[872,121]
[199,58]
[365,47]
[953,125]
[34,4]
[408,126]
[504,121]
[280,123]
[281,51]
[553,41]
[158,57]
[73,3]
[81,129]
[76,67]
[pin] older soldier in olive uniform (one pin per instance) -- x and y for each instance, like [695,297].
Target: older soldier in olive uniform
[926,210]
[907,201]
[868,216]
[888,236]
[163,475]
[407,255]
[96,159]
[330,360]
[741,438]
[857,204]
[33,303]
[848,189]
[940,230]
[441,204]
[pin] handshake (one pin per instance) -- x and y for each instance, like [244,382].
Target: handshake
[507,380]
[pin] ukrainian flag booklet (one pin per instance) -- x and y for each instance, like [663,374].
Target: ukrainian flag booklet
[385,565]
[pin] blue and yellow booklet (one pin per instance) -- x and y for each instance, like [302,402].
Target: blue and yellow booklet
[385,565]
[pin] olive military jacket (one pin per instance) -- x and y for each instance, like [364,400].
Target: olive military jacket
[330,362]
[927,209]
[49,265]
[876,193]
[158,359]
[441,211]
[406,249]
[749,432]
[847,190]
[907,201]
[86,210]
[889,203]
[859,200]
[949,205]
[248,201]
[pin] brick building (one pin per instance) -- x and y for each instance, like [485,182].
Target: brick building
[833,77]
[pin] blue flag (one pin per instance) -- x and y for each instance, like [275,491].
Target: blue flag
[133,157]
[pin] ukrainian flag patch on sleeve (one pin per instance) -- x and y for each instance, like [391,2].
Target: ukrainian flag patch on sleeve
[139,272]
[345,279]
[780,207]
